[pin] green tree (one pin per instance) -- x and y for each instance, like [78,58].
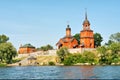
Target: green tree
[89,57]
[97,39]
[62,53]
[3,38]
[105,55]
[115,49]
[49,47]
[7,52]
[77,37]
[45,48]
[115,37]
[102,53]
[109,42]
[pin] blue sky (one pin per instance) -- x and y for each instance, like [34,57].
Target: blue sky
[42,22]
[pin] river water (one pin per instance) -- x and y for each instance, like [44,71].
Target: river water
[60,72]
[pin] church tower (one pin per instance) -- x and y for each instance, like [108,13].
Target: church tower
[68,31]
[86,35]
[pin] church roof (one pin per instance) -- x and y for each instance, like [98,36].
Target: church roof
[27,46]
[86,21]
[87,30]
[64,39]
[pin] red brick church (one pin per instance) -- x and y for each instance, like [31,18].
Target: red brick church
[86,37]
[67,41]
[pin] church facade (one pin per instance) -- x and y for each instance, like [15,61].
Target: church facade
[68,41]
[86,37]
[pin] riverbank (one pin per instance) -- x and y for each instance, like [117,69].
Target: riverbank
[58,64]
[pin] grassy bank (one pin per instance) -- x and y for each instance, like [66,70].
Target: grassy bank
[3,64]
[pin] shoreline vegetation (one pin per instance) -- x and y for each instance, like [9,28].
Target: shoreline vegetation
[103,55]
[109,54]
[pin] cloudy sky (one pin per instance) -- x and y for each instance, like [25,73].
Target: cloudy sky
[42,22]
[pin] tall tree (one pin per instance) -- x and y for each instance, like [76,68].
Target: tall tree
[7,52]
[115,37]
[3,38]
[97,39]
[77,37]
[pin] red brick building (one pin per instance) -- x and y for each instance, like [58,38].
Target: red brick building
[67,41]
[86,35]
[27,48]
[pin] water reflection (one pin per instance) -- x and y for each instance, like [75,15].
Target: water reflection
[60,72]
[87,71]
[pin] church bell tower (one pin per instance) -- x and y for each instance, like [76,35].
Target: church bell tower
[86,35]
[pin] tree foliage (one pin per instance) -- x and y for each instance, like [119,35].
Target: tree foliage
[7,50]
[115,37]
[3,38]
[62,53]
[77,37]
[109,42]
[89,57]
[103,55]
[97,39]
[85,57]
[109,54]
[45,48]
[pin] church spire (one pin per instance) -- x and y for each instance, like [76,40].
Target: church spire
[86,23]
[85,14]
[67,24]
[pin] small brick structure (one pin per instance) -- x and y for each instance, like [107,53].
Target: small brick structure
[26,49]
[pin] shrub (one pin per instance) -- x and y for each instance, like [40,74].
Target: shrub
[51,63]
[69,60]
[62,53]
[89,57]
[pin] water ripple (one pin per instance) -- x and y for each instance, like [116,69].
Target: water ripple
[60,72]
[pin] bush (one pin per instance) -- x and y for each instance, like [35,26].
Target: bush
[16,60]
[62,53]
[51,63]
[88,57]
[69,60]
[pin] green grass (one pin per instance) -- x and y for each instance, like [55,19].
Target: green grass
[3,65]
[18,59]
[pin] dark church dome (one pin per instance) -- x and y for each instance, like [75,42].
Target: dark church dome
[86,22]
